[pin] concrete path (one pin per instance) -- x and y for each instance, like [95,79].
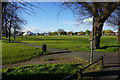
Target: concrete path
[81,55]
[111,69]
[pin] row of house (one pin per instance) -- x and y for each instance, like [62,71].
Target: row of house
[28,33]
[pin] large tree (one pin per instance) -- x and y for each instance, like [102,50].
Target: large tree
[114,20]
[100,12]
[11,15]
[61,32]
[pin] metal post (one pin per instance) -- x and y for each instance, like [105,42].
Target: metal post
[102,61]
[91,56]
[44,47]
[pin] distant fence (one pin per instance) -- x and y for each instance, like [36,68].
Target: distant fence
[81,70]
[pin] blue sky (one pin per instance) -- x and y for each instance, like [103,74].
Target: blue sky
[46,20]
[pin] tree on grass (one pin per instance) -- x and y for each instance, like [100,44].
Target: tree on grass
[109,32]
[55,33]
[100,12]
[11,15]
[114,20]
[87,32]
[61,32]
[82,33]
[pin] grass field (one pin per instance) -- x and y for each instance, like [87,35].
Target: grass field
[73,43]
[44,71]
[15,52]
[40,72]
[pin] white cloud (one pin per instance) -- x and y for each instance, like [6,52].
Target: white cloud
[71,23]
[31,29]
[35,30]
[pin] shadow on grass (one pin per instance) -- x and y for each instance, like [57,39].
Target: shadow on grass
[110,74]
[63,52]
[105,47]
[59,52]
[39,76]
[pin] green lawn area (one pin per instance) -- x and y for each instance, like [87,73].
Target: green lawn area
[44,71]
[73,43]
[15,52]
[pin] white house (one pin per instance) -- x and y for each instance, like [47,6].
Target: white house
[28,33]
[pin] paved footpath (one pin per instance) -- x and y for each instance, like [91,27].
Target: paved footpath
[81,55]
[56,53]
[111,69]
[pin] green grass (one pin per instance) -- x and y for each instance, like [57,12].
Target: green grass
[49,59]
[42,72]
[15,52]
[73,43]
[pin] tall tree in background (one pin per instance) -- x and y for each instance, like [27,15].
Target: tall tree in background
[114,20]
[17,23]
[87,32]
[10,15]
[4,18]
[61,32]
[99,10]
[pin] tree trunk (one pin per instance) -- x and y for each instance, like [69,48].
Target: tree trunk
[6,27]
[98,25]
[14,36]
[9,35]
[6,32]
[118,34]
[10,32]
[14,33]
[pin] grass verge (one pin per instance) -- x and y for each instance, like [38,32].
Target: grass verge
[73,43]
[42,72]
[15,52]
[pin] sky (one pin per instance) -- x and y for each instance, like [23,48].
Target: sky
[48,19]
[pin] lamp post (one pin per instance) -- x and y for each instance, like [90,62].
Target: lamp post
[91,20]
[91,56]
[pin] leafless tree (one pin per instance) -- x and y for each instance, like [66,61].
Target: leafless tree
[11,12]
[99,10]
[114,20]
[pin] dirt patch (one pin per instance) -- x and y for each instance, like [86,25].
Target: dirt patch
[58,58]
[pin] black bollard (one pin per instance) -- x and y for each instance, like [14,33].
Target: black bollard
[44,47]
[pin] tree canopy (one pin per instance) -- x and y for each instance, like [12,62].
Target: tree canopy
[101,11]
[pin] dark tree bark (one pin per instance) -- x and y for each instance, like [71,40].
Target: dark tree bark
[4,17]
[118,34]
[14,33]
[98,25]
[10,31]
[9,35]
[6,28]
